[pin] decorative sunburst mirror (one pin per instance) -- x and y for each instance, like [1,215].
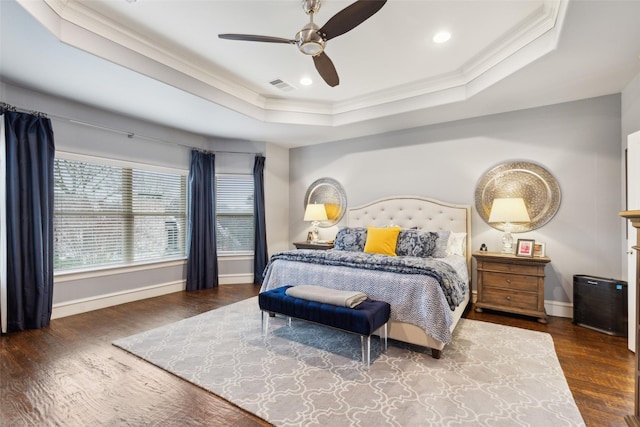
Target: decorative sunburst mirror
[330,193]
[530,181]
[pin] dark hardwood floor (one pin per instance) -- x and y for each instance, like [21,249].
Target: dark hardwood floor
[69,373]
[599,368]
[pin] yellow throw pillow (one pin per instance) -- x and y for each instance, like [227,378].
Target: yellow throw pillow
[382,240]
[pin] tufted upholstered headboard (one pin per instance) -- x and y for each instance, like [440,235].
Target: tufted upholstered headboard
[414,211]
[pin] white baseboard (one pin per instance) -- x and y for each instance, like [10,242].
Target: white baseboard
[84,305]
[69,308]
[233,279]
[559,309]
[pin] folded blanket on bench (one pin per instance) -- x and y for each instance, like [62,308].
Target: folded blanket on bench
[326,295]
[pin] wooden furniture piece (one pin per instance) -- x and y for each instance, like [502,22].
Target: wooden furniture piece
[634,420]
[317,246]
[511,283]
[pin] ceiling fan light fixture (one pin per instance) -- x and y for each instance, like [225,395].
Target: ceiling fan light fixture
[311,48]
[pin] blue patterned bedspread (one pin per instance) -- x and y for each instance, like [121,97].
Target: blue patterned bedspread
[421,291]
[452,285]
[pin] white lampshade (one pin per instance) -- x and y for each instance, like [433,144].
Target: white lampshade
[509,210]
[315,212]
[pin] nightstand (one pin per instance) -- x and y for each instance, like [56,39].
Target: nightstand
[511,283]
[320,246]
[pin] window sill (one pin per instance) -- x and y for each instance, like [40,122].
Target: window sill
[236,255]
[68,276]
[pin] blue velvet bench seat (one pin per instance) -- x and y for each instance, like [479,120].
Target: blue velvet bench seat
[364,319]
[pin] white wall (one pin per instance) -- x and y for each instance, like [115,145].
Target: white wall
[77,293]
[630,123]
[577,142]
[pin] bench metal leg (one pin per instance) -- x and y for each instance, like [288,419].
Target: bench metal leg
[366,349]
[265,324]
[384,336]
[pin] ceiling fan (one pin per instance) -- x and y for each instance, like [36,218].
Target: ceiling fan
[311,39]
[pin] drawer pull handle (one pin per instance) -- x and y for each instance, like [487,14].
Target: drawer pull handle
[508,298]
[509,281]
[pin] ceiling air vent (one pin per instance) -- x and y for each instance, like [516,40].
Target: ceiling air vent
[283,86]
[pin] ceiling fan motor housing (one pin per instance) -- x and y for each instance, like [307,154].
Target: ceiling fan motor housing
[309,40]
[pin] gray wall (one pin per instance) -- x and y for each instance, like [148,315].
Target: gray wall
[577,142]
[630,109]
[144,148]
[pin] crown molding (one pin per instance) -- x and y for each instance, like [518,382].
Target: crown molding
[76,24]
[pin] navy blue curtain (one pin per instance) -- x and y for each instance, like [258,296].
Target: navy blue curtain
[260,257]
[30,152]
[202,259]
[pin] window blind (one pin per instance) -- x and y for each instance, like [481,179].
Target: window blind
[234,213]
[106,214]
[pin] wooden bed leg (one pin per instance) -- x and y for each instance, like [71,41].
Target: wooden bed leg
[436,353]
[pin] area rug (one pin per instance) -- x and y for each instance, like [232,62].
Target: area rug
[309,375]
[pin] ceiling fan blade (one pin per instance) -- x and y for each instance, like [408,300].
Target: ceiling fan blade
[252,38]
[327,71]
[350,17]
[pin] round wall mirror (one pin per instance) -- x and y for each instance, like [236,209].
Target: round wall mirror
[330,193]
[532,182]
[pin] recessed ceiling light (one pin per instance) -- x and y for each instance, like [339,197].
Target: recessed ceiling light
[306,81]
[441,37]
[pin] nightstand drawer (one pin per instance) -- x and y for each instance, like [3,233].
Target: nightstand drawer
[507,298]
[510,281]
[510,268]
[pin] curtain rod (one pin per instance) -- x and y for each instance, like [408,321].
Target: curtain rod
[130,135]
[8,107]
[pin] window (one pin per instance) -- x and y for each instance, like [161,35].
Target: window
[234,213]
[111,213]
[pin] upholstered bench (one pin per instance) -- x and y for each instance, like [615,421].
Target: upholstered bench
[364,319]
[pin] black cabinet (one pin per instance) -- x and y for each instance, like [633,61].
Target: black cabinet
[600,304]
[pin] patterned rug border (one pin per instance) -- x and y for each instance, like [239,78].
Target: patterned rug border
[312,375]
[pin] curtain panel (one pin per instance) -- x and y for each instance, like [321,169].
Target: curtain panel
[260,257]
[27,261]
[202,257]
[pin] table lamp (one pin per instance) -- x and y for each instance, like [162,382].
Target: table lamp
[508,210]
[315,213]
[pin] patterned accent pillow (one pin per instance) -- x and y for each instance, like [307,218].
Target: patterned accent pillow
[416,243]
[441,244]
[350,239]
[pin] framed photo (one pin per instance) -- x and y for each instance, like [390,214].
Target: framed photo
[538,249]
[525,247]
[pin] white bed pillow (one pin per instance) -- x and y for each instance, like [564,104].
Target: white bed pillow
[456,244]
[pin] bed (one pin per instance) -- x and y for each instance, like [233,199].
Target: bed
[425,312]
